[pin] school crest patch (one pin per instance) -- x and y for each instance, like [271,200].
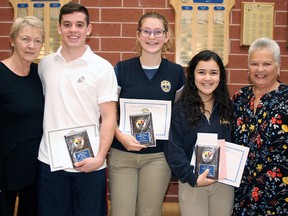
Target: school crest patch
[165,86]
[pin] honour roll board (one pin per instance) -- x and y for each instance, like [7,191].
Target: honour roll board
[200,25]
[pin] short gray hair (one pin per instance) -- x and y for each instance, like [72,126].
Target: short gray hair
[266,43]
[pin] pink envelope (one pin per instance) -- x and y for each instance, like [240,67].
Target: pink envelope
[222,162]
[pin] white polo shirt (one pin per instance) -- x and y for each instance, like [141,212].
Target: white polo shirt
[73,92]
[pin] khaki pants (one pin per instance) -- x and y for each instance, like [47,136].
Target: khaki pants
[138,183]
[213,200]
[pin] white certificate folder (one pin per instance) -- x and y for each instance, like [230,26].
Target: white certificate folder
[161,115]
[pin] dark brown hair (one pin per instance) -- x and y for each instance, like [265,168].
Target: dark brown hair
[72,7]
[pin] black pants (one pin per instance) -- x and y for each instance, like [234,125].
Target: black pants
[64,193]
[27,203]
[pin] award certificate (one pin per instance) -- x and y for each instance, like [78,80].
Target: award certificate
[236,156]
[160,109]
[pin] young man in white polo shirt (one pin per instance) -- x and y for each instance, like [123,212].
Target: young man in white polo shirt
[79,87]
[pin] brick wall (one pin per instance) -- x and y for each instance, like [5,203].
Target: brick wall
[115,21]
[114,26]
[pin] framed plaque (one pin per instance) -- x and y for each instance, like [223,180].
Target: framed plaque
[142,128]
[79,145]
[257,20]
[207,157]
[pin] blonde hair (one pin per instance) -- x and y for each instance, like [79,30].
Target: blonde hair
[22,22]
[167,46]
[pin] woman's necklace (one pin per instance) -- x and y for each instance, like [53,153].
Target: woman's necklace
[208,108]
[209,100]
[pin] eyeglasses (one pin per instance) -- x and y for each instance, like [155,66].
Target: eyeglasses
[158,33]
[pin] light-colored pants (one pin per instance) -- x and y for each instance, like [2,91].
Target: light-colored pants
[138,183]
[213,200]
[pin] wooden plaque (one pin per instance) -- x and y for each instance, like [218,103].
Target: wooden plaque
[199,25]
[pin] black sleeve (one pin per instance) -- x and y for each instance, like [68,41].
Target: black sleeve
[175,151]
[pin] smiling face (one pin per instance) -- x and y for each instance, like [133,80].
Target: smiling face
[28,43]
[207,78]
[74,30]
[263,69]
[151,44]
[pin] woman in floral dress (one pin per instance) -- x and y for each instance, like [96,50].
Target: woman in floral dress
[261,110]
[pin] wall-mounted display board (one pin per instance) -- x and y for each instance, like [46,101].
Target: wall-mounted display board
[257,20]
[48,12]
[199,25]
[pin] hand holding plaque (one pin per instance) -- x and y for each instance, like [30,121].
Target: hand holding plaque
[207,157]
[79,146]
[142,128]
[231,159]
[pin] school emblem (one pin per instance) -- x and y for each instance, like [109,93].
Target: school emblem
[78,142]
[165,86]
[141,123]
[207,155]
[145,110]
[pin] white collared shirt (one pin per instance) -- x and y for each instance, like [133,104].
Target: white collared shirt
[73,91]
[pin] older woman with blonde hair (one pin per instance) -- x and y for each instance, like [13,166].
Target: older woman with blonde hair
[21,113]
